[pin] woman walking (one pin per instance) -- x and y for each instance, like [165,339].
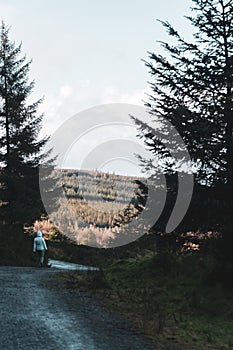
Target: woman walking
[39,247]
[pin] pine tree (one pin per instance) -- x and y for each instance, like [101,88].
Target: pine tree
[21,153]
[192,88]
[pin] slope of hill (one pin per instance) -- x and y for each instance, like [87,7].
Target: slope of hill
[95,207]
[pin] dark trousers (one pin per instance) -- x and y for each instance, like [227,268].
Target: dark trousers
[40,254]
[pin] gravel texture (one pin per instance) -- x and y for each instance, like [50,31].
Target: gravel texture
[37,312]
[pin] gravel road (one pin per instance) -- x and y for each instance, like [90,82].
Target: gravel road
[36,312]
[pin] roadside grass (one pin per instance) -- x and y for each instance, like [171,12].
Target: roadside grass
[167,299]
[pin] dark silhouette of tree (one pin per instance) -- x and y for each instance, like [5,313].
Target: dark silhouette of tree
[21,153]
[192,89]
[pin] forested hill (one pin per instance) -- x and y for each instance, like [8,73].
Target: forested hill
[99,205]
[98,186]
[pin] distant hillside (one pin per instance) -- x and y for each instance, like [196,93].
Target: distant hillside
[97,206]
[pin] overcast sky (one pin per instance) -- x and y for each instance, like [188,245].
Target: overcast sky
[88,52]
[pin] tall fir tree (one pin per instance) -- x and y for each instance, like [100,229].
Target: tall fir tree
[21,153]
[192,88]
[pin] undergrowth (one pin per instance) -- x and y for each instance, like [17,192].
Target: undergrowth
[167,299]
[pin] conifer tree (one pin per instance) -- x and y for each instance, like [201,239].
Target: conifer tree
[192,88]
[21,153]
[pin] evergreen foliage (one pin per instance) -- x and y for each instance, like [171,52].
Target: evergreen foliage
[192,88]
[21,153]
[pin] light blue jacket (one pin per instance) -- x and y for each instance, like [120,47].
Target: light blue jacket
[39,242]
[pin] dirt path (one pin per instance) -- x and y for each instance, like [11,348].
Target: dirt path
[37,313]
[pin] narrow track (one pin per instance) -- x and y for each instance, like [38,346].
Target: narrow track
[36,313]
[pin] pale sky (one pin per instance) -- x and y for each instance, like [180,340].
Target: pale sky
[88,52]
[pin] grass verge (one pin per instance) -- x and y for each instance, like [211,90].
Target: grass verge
[167,299]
